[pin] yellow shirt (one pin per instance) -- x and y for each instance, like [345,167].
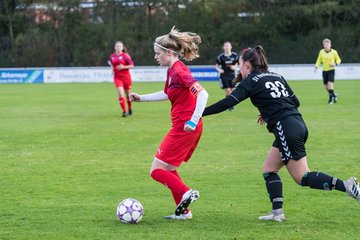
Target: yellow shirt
[327,58]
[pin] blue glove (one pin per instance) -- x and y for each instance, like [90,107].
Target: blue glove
[190,124]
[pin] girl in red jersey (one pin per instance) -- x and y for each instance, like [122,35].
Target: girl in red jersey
[188,100]
[121,63]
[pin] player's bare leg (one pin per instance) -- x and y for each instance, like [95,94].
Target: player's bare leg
[158,164]
[297,169]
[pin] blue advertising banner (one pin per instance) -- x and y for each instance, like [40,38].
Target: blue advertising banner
[21,76]
[204,73]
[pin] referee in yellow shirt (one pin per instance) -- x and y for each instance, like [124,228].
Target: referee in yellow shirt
[328,58]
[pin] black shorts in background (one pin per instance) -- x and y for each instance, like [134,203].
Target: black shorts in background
[328,76]
[226,83]
[291,134]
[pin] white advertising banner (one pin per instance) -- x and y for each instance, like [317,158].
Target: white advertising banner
[66,75]
[148,74]
[307,71]
[101,74]
[158,74]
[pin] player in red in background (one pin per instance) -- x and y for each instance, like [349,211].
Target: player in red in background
[121,63]
[188,100]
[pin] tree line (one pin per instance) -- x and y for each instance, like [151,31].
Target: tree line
[82,33]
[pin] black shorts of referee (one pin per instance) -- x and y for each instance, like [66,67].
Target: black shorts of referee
[328,76]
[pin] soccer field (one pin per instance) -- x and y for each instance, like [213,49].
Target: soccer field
[67,158]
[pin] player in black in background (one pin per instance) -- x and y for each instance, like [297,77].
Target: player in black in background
[226,64]
[277,103]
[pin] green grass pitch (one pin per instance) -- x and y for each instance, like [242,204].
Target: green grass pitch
[67,158]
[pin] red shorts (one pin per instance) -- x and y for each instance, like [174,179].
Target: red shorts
[178,145]
[124,82]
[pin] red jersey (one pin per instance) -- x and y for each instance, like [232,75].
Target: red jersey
[179,88]
[123,59]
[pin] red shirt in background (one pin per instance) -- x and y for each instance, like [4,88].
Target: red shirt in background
[123,59]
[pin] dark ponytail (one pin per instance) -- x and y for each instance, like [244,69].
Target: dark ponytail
[263,67]
[256,57]
[237,79]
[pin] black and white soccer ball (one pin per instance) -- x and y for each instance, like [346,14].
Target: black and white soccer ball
[130,211]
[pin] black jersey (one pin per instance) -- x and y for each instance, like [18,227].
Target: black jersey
[225,62]
[268,91]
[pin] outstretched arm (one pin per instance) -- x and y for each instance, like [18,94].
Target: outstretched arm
[157,96]
[234,98]
[220,106]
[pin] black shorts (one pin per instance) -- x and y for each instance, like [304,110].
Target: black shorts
[328,76]
[291,134]
[226,83]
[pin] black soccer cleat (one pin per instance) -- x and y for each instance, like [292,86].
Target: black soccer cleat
[330,100]
[124,114]
[188,197]
[130,112]
[335,98]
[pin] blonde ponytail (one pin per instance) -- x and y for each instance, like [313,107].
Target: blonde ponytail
[185,44]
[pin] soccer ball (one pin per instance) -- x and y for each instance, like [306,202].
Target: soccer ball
[130,211]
